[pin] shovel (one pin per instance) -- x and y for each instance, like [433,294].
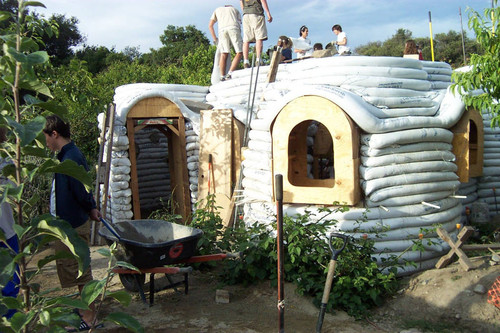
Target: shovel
[110,227]
[329,277]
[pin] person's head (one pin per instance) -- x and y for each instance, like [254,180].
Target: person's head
[304,31]
[57,132]
[337,29]
[318,46]
[287,42]
[410,47]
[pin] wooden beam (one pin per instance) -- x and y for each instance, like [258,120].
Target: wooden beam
[462,237]
[134,184]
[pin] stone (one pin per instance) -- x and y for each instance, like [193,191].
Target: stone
[221,296]
[480,289]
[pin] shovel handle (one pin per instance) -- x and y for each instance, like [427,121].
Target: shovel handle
[336,252]
[110,228]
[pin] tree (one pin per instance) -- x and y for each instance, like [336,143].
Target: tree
[448,48]
[392,47]
[59,45]
[484,74]
[177,42]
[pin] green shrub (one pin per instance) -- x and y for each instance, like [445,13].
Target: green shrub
[359,283]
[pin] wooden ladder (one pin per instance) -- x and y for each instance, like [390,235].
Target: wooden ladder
[103,169]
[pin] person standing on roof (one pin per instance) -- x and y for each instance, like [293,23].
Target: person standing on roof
[254,26]
[341,41]
[229,28]
[304,49]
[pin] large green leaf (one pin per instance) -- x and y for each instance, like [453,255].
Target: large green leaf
[92,290]
[5,16]
[7,266]
[68,302]
[54,107]
[32,4]
[28,132]
[70,168]
[37,86]
[48,225]
[121,296]
[126,321]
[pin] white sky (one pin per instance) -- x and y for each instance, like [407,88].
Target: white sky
[139,23]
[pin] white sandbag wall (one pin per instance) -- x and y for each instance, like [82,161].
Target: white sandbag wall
[489,184]
[151,147]
[407,173]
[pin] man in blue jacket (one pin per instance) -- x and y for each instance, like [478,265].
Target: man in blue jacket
[70,201]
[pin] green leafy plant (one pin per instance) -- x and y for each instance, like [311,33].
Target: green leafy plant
[25,99]
[359,285]
[483,74]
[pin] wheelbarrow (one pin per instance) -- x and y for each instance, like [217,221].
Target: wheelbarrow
[150,245]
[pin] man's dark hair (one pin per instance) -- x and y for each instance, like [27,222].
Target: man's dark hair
[337,27]
[55,123]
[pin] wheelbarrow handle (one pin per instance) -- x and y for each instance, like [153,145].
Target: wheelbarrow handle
[336,252]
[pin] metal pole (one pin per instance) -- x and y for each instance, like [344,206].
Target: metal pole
[278,184]
[462,27]
[430,28]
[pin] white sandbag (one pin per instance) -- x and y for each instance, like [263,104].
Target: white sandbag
[410,199]
[193,166]
[122,193]
[117,185]
[117,162]
[406,148]
[122,169]
[260,145]
[414,178]
[404,168]
[407,158]
[406,137]
[264,136]
[263,176]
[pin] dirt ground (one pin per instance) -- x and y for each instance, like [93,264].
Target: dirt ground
[441,300]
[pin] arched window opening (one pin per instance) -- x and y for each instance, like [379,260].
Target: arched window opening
[473,143]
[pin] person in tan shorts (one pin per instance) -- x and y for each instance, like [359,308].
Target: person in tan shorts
[228,21]
[254,27]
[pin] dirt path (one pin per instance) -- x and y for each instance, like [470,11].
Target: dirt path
[440,298]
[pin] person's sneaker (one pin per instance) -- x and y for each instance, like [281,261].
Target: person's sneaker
[227,77]
[246,65]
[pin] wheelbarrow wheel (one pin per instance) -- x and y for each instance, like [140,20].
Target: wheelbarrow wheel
[130,283]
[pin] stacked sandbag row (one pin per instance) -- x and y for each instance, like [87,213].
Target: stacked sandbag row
[489,184]
[151,147]
[193,154]
[153,175]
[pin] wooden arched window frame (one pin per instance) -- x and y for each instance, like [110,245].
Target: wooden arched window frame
[289,133]
[468,145]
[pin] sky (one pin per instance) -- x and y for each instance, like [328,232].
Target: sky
[139,23]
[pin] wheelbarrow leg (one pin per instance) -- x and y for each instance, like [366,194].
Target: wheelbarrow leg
[151,289]
[139,287]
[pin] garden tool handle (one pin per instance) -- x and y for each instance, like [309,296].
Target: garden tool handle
[110,228]
[336,252]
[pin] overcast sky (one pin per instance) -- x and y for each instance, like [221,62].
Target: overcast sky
[139,23]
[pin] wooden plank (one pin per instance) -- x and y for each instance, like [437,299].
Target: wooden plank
[291,160]
[462,237]
[215,139]
[275,61]
[480,247]
[154,107]
[180,179]
[134,184]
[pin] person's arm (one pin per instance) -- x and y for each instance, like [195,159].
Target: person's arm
[242,5]
[212,31]
[266,8]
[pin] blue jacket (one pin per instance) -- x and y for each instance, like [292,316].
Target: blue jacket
[73,202]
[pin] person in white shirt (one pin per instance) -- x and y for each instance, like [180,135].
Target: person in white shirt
[303,44]
[341,42]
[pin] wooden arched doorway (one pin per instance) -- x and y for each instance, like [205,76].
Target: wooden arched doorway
[166,119]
